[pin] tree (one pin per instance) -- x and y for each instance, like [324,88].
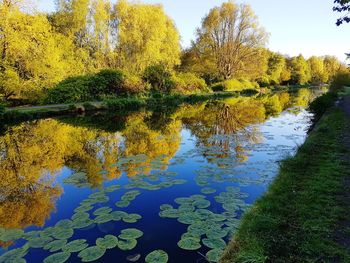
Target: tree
[317,69]
[275,68]
[332,65]
[232,33]
[342,6]
[300,70]
[145,36]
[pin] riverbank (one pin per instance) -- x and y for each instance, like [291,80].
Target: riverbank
[131,103]
[304,216]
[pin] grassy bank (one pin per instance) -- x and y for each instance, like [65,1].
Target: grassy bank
[124,103]
[298,219]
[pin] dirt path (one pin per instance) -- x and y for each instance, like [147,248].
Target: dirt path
[343,232]
[51,107]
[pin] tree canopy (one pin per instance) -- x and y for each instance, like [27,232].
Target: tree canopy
[343,7]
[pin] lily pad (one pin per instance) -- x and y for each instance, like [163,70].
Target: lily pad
[14,255]
[102,211]
[131,218]
[11,235]
[65,223]
[189,244]
[131,233]
[39,242]
[214,243]
[122,203]
[101,219]
[157,256]
[108,242]
[201,203]
[57,258]
[208,190]
[55,245]
[82,223]
[80,216]
[127,244]
[63,233]
[214,255]
[118,215]
[165,207]
[75,246]
[91,254]
[112,188]
[170,213]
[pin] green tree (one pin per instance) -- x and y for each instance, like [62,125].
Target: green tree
[145,36]
[232,34]
[318,72]
[300,70]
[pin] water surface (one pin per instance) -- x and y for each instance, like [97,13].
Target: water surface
[182,177]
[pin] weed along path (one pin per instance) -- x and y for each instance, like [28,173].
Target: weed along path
[304,215]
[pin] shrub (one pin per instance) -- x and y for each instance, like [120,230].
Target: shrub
[2,110]
[159,78]
[89,87]
[188,83]
[107,81]
[320,105]
[235,85]
[133,84]
[73,89]
[340,81]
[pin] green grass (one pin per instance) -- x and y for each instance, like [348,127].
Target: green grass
[296,220]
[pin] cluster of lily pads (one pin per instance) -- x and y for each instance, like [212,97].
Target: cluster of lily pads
[193,212]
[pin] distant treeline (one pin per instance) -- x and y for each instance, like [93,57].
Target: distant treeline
[90,49]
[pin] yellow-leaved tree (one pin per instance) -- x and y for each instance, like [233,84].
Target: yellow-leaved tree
[145,36]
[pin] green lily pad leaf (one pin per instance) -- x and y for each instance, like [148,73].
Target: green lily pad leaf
[189,218]
[39,242]
[165,207]
[214,255]
[183,200]
[63,233]
[108,242]
[191,235]
[118,215]
[65,223]
[57,258]
[55,245]
[48,231]
[214,243]
[208,190]
[122,204]
[157,256]
[131,218]
[91,254]
[127,244]
[75,246]
[112,188]
[179,181]
[83,208]
[131,233]
[214,233]
[170,213]
[82,223]
[202,203]
[102,211]
[189,244]
[80,216]
[187,208]
[103,219]
[14,255]
[11,235]
[32,234]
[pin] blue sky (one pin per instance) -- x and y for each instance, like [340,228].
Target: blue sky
[295,26]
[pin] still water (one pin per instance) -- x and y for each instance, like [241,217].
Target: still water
[116,187]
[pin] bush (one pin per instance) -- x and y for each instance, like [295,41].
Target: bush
[235,85]
[340,81]
[2,110]
[107,81]
[73,89]
[159,78]
[85,88]
[133,84]
[188,83]
[320,105]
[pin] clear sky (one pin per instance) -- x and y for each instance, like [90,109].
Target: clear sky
[295,26]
